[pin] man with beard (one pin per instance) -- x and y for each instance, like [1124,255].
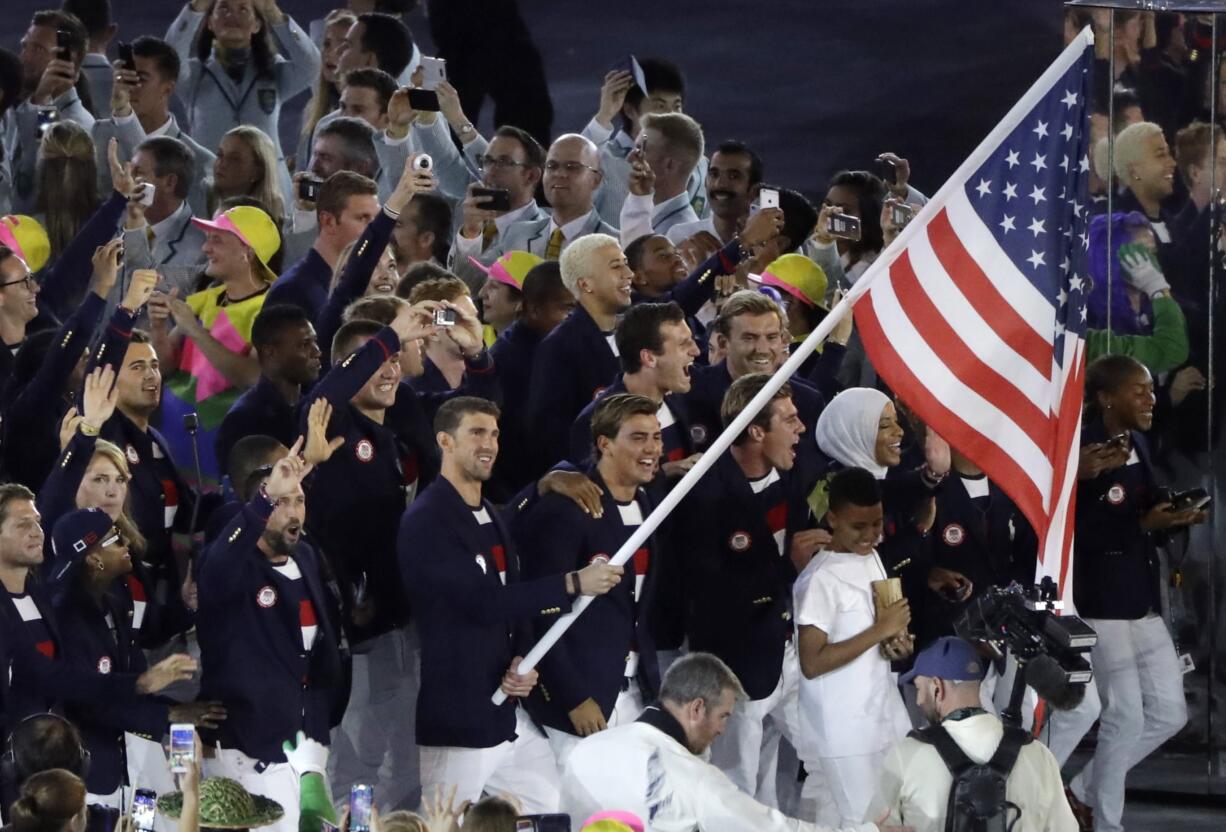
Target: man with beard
[459,566]
[914,783]
[733,179]
[267,646]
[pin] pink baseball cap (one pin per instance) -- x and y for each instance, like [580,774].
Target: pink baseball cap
[511,268]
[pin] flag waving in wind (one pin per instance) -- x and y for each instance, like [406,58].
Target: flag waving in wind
[975,315]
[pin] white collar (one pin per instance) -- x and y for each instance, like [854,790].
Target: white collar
[162,229]
[571,230]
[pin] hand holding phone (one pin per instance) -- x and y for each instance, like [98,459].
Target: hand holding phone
[433,70]
[495,199]
[127,57]
[844,226]
[768,198]
[63,44]
[444,317]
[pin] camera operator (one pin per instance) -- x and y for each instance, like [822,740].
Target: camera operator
[915,781]
[1120,515]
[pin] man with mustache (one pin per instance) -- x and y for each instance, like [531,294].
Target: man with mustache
[733,179]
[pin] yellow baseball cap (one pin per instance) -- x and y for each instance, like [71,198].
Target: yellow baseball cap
[27,238]
[251,225]
[797,275]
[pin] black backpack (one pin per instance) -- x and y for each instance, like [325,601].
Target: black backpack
[977,801]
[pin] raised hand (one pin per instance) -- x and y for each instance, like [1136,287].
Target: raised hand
[100,397]
[288,473]
[140,290]
[106,266]
[318,449]
[613,95]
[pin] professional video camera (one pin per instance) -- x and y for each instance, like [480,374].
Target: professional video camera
[1049,649]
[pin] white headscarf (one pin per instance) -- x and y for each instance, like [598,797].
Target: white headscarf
[847,429]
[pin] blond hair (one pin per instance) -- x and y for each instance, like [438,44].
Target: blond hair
[576,260]
[267,188]
[324,95]
[67,177]
[1130,144]
[127,527]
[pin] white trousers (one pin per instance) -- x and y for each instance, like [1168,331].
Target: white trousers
[523,768]
[748,750]
[851,783]
[375,742]
[626,709]
[276,781]
[1141,687]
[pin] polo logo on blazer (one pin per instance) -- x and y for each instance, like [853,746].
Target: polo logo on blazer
[266,597]
[364,451]
[133,456]
[740,541]
[1115,494]
[953,535]
[698,433]
[104,664]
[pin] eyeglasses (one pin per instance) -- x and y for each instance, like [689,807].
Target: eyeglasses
[554,166]
[502,162]
[28,280]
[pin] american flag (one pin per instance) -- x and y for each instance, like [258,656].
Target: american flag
[975,315]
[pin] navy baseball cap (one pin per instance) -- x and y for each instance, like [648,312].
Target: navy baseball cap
[949,657]
[75,534]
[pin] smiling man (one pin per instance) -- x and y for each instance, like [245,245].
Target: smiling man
[18,306]
[604,669]
[579,359]
[738,524]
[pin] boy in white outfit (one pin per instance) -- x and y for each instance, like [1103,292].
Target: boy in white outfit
[851,712]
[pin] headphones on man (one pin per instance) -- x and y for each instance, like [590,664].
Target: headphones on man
[13,765]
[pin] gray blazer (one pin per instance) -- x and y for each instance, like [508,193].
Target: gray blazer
[533,235]
[21,140]
[130,134]
[215,103]
[100,77]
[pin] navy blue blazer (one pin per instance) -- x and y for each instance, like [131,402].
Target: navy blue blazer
[1116,571]
[692,293]
[556,536]
[64,283]
[304,284]
[471,624]
[32,413]
[251,653]
[89,643]
[354,279]
[357,497]
[513,353]
[261,409]
[738,585]
[26,700]
[581,431]
[573,364]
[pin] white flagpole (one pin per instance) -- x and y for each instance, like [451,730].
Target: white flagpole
[1070,54]
[678,492]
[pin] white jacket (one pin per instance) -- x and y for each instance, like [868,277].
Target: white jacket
[640,768]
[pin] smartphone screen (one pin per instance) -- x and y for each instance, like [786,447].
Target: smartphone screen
[361,797]
[144,809]
[182,747]
[433,70]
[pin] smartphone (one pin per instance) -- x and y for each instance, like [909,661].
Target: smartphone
[361,797]
[901,214]
[444,317]
[423,100]
[182,740]
[63,44]
[843,226]
[496,199]
[768,198]
[433,70]
[308,189]
[127,57]
[1120,439]
[144,809]
[147,193]
[47,116]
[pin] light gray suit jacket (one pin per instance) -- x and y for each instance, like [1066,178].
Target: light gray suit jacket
[533,235]
[130,134]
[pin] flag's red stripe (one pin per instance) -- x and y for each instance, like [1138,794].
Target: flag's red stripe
[953,352]
[987,300]
[981,450]
[1070,414]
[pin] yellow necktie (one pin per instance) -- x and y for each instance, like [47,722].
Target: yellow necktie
[488,234]
[555,245]
[149,237]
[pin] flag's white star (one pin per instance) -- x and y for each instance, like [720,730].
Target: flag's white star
[1067,132]
[1040,130]
[1059,328]
[1062,298]
[1036,227]
[1085,240]
[1011,159]
[1076,283]
[1064,163]
[1083,314]
[984,187]
[1036,259]
[1077,208]
[1007,224]
[1036,194]
[1064,266]
[1070,99]
[1084,164]
[1010,191]
[1038,162]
